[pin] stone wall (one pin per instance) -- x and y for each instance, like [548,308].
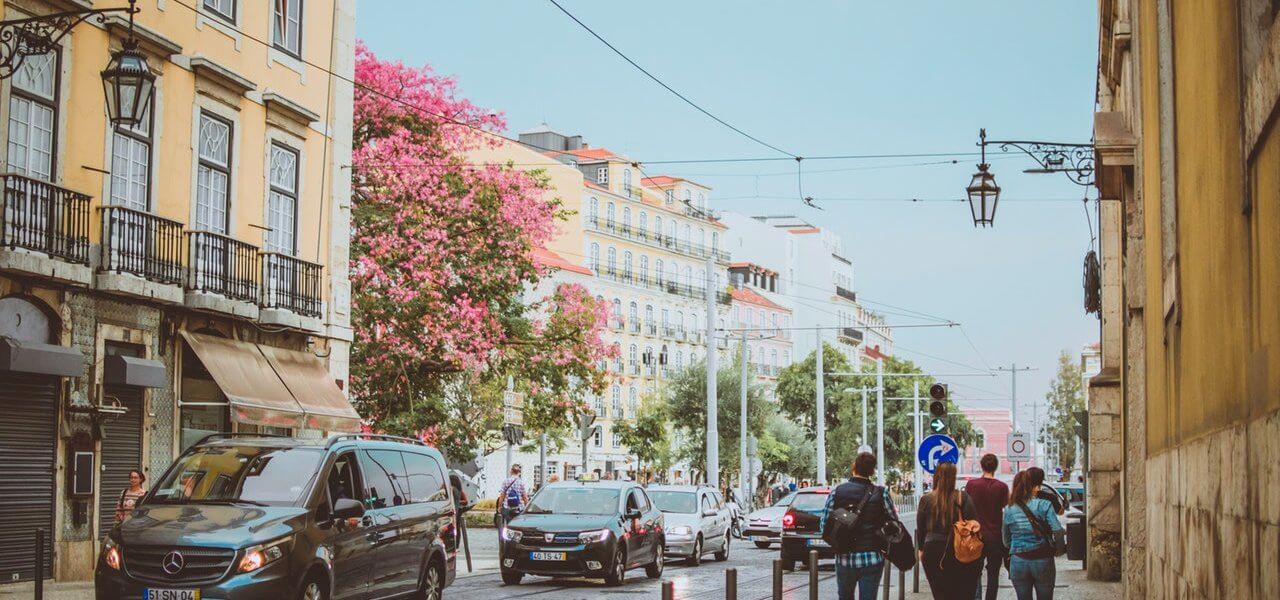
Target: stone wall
[1213,515]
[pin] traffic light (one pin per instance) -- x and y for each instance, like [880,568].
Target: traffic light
[513,434]
[938,408]
[585,426]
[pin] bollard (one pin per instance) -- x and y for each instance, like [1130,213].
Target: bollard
[813,575]
[39,580]
[777,579]
[668,590]
[887,568]
[902,584]
[730,584]
[915,577]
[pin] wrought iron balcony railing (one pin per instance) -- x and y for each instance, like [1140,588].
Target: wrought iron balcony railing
[290,283]
[224,266]
[140,243]
[43,217]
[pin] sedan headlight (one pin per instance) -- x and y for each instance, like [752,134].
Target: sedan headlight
[257,557]
[111,553]
[598,535]
[511,535]
[682,530]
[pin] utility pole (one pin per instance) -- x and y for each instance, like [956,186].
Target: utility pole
[1013,372]
[821,423]
[542,458]
[880,457]
[511,387]
[744,475]
[864,416]
[915,431]
[713,435]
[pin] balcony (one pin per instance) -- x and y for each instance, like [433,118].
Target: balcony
[141,255]
[850,335]
[656,240]
[224,274]
[849,295]
[290,291]
[45,230]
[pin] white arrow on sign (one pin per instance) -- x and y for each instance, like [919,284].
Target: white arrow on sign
[941,448]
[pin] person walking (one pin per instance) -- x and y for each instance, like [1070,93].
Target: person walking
[512,496]
[990,497]
[860,568]
[130,496]
[937,513]
[1027,530]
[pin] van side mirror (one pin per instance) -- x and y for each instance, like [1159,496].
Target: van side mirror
[633,513]
[346,508]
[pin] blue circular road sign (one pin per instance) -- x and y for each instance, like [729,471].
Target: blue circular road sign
[937,449]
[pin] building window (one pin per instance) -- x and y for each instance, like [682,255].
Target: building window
[657,227]
[602,176]
[595,257]
[671,196]
[626,181]
[33,116]
[626,219]
[611,261]
[598,404]
[286,26]
[608,216]
[644,223]
[616,440]
[597,440]
[223,8]
[633,313]
[282,207]
[657,267]
[131,165]
[617,402]
[213,174]
[617,316]
[593,210]
[644,269]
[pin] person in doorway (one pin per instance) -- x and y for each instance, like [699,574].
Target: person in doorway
[990,497]
[937,513]
[1046,492]
[513,495]
[861,568]
[131,495]
[1027,529]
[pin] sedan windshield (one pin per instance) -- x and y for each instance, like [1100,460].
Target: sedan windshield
[239,474]
[574,501]
[675,502]
[786,500]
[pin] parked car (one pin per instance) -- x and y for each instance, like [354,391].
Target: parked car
[585,528]
[252,516]
[764,527]
[697,522]
[801,527]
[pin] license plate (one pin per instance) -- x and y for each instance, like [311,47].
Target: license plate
[818,544]
[544,556]
[759,538]
[165,594]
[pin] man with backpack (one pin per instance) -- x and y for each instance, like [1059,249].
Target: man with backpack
[856,512]
[512,496]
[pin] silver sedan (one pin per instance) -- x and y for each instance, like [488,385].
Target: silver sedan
[764,526]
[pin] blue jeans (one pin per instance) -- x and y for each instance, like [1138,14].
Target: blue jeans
[1032,574]
[866,580]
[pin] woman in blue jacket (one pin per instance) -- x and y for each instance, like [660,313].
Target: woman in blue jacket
[1030,545]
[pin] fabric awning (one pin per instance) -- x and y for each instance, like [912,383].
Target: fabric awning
[314,389]
[257,395]
[42,359]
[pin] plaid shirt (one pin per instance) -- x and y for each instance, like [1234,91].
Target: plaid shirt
[868,558]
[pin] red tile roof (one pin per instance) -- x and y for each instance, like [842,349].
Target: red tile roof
[660,180]
[590,153]
[547,258]
[805,230]
[750,296]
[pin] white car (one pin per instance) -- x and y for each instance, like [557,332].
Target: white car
[764,526]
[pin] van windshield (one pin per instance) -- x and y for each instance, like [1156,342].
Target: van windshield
[239,474]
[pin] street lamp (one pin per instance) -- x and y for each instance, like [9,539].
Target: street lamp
[982,191]
[127,81]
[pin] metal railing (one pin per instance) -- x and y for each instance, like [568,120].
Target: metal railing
[290,283]
[43,217]
[223,265]
[140,243]
[657,240]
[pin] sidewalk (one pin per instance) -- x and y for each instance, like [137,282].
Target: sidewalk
[1072,585]
[76,590]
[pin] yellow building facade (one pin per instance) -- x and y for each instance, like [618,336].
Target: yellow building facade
[1184,426]
[185,276]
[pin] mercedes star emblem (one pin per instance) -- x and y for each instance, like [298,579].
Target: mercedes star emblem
[173,563]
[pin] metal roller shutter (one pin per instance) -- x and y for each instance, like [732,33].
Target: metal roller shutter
[121,453]
[28,464]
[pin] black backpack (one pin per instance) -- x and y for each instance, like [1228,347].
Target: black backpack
[838,531]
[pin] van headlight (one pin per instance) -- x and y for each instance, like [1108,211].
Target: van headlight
[111,553]
[257,557]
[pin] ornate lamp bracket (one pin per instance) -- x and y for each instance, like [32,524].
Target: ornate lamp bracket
[1075,160]
[32,36]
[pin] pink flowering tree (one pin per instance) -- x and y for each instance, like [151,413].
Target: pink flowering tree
[442,266]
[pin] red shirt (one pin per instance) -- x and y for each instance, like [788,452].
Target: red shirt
[990,496]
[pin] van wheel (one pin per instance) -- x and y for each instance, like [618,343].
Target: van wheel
[432,584]
[313,590]
[511,577]
[617,571]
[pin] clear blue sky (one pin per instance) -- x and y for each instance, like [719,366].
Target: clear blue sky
[823,78]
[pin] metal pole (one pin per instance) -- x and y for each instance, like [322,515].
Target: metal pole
[864,416]
[880,457]
[813,575]
[542,459]
[730,584]
[39,581]
[713,435]
[915,576]
[915,434]
[668,590]
[777,579]
[1017,465]
[902,583]
[743,465]
[583,430]
[466,542]
[886,580]
[821,422]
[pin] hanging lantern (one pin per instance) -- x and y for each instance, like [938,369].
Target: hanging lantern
[982,190]
[128,83]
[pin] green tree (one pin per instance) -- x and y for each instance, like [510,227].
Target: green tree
[796,395]
[785,449]
[647,436]
[1065,396]
[687,407]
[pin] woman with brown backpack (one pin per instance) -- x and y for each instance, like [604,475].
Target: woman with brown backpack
[949,538]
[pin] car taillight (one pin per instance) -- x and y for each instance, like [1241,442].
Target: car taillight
[789,520]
